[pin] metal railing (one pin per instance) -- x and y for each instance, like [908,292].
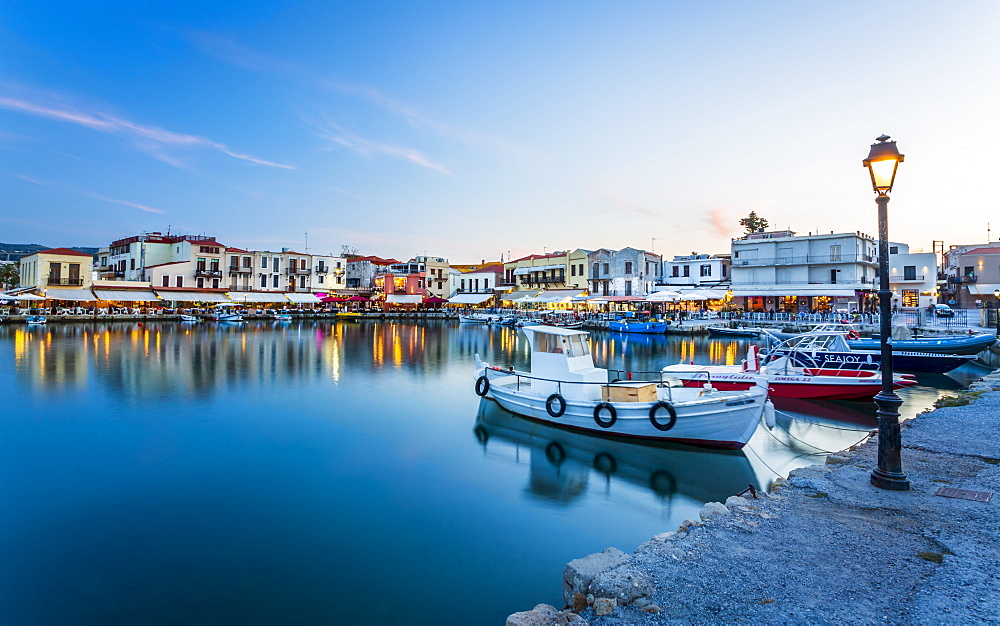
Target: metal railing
[805,260]
[65,282]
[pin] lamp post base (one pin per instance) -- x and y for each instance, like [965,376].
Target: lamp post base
[890,481]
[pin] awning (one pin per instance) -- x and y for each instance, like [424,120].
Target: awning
[79,295]
[126,295]
[541,268]
[20,296]
[843,293]
[983,289]
[663,296]
[517,295]
[553,297]
[303,298]
[470,298]
[397,298]
[703,294]
[193,296]
[257,296]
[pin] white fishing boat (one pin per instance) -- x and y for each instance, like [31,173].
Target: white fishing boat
[225,312]
[282,316]
[566,389]
[478,318]
[35,320]
[189,318]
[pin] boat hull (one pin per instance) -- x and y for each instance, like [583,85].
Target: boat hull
[727,422]
[943,345]
[714,331]
[644,328]
[831,385]
[929,362]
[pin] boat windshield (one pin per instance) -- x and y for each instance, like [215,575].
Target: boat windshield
[573,345]
[809,342]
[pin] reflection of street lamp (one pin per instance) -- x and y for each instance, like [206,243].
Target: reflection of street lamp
[882,161]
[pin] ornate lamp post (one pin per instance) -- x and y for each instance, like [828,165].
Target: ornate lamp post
[882,161]
[996,307]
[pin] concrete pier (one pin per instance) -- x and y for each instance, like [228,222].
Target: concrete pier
[825,545]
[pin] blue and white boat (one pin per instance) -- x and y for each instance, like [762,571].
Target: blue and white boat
[35,320]
[826,350]
[633,325]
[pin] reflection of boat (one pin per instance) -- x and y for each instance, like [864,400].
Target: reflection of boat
[650,327]
[721,331]
[189,318]
[35,320]
[347,315]
[282,316]
[833,349]
[478,318]
[564,388]
[562,460]
[787,378]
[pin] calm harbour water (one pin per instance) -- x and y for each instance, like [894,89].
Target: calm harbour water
[320,472]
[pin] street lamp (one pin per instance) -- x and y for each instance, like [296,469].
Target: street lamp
[996,308]
[882,161]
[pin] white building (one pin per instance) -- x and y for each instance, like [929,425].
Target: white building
[778,271]
[912,276]
[697,270]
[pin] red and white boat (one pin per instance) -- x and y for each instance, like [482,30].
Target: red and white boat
[786,379]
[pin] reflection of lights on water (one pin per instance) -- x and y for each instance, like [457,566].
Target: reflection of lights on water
[20,345]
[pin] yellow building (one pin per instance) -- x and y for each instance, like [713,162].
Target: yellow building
[58,274]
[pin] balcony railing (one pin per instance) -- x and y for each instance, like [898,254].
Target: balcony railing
[896,278]
[236,269]
[203,273]
[65,282]
[971,278]
[299,271]
[322,269]
[845,284]
[805,260]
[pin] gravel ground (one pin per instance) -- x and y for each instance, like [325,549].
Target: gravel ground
[830,548]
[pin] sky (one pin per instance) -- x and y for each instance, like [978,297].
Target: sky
[472,130]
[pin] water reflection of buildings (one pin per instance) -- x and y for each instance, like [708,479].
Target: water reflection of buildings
[561,462]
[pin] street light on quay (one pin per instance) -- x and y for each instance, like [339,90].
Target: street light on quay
[996,309]
[882,162]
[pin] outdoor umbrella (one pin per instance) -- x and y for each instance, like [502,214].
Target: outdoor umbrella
[435,300]
[358,299]
[332,298]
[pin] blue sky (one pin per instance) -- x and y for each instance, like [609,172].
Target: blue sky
[470,129]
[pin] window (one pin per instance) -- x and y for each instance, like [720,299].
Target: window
[275,281]
[132,264]
[628,287]
[263,262]
[706,270]
[628,267]
[302,282]
[597,270]
[247,261]
[909,273]
[607,269]
[910,298]
[552,344]
[215,283]
[201,283]
[676,271]
[263,280]
[835,253]
[723,270]
[180,281]
[581,269]
[166,280]
[462,288]
[215,265]
[572,270]
[201,265]
[320,279]
[234,262]
[893,249]
[687,271]
[275,262]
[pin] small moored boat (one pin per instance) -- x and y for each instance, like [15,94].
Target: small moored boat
[189,318]
[564,388]
[225,313]
[649,327]
[35,320]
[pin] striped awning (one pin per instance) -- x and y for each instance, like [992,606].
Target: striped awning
[126,295]
[400,298]
[470,298]
[257,296]
[303,298]
[193,296]
[79,295]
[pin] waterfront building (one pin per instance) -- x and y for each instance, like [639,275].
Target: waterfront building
[58,274]
[240,269]
[437,272]
[912,276]
[705,271]
[625,272]
[362,270]
[970,273]
[779,271]
[329,273]
[559,270]
[178,261]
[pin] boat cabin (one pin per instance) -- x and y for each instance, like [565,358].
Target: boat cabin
[563,355]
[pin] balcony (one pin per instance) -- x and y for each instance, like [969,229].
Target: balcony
[236,269]
[203,273]
[322,269]
[970,278]
[65,282]
[299,271]
[896,278]
[811,259]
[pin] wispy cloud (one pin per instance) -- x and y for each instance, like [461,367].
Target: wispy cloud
[721,225]
[623,204]
[87,194]
[150,139]
[229,51]
[351,141]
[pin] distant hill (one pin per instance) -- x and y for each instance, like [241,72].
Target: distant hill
[14,251]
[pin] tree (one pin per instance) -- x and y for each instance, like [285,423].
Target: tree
[10,275]
[753,223]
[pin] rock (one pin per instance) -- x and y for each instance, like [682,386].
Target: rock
[652,608]
[732,501]
[579,602]
[712,510]
[664,537]
[688,524]
[624,583]
[778,483]
[541,615]
[836,459]
[641,603]
[604,606]
[578,573]
[568,617]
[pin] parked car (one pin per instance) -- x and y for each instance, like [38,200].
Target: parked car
[943,310]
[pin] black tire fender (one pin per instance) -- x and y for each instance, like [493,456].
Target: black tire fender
[612,412]
[555,399]
[555,453]
[482,386]
[653,410]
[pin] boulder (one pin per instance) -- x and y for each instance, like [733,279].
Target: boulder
[604,606]
[541,615]
[578,573]
[625,584]
[733,501]
[712,510]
